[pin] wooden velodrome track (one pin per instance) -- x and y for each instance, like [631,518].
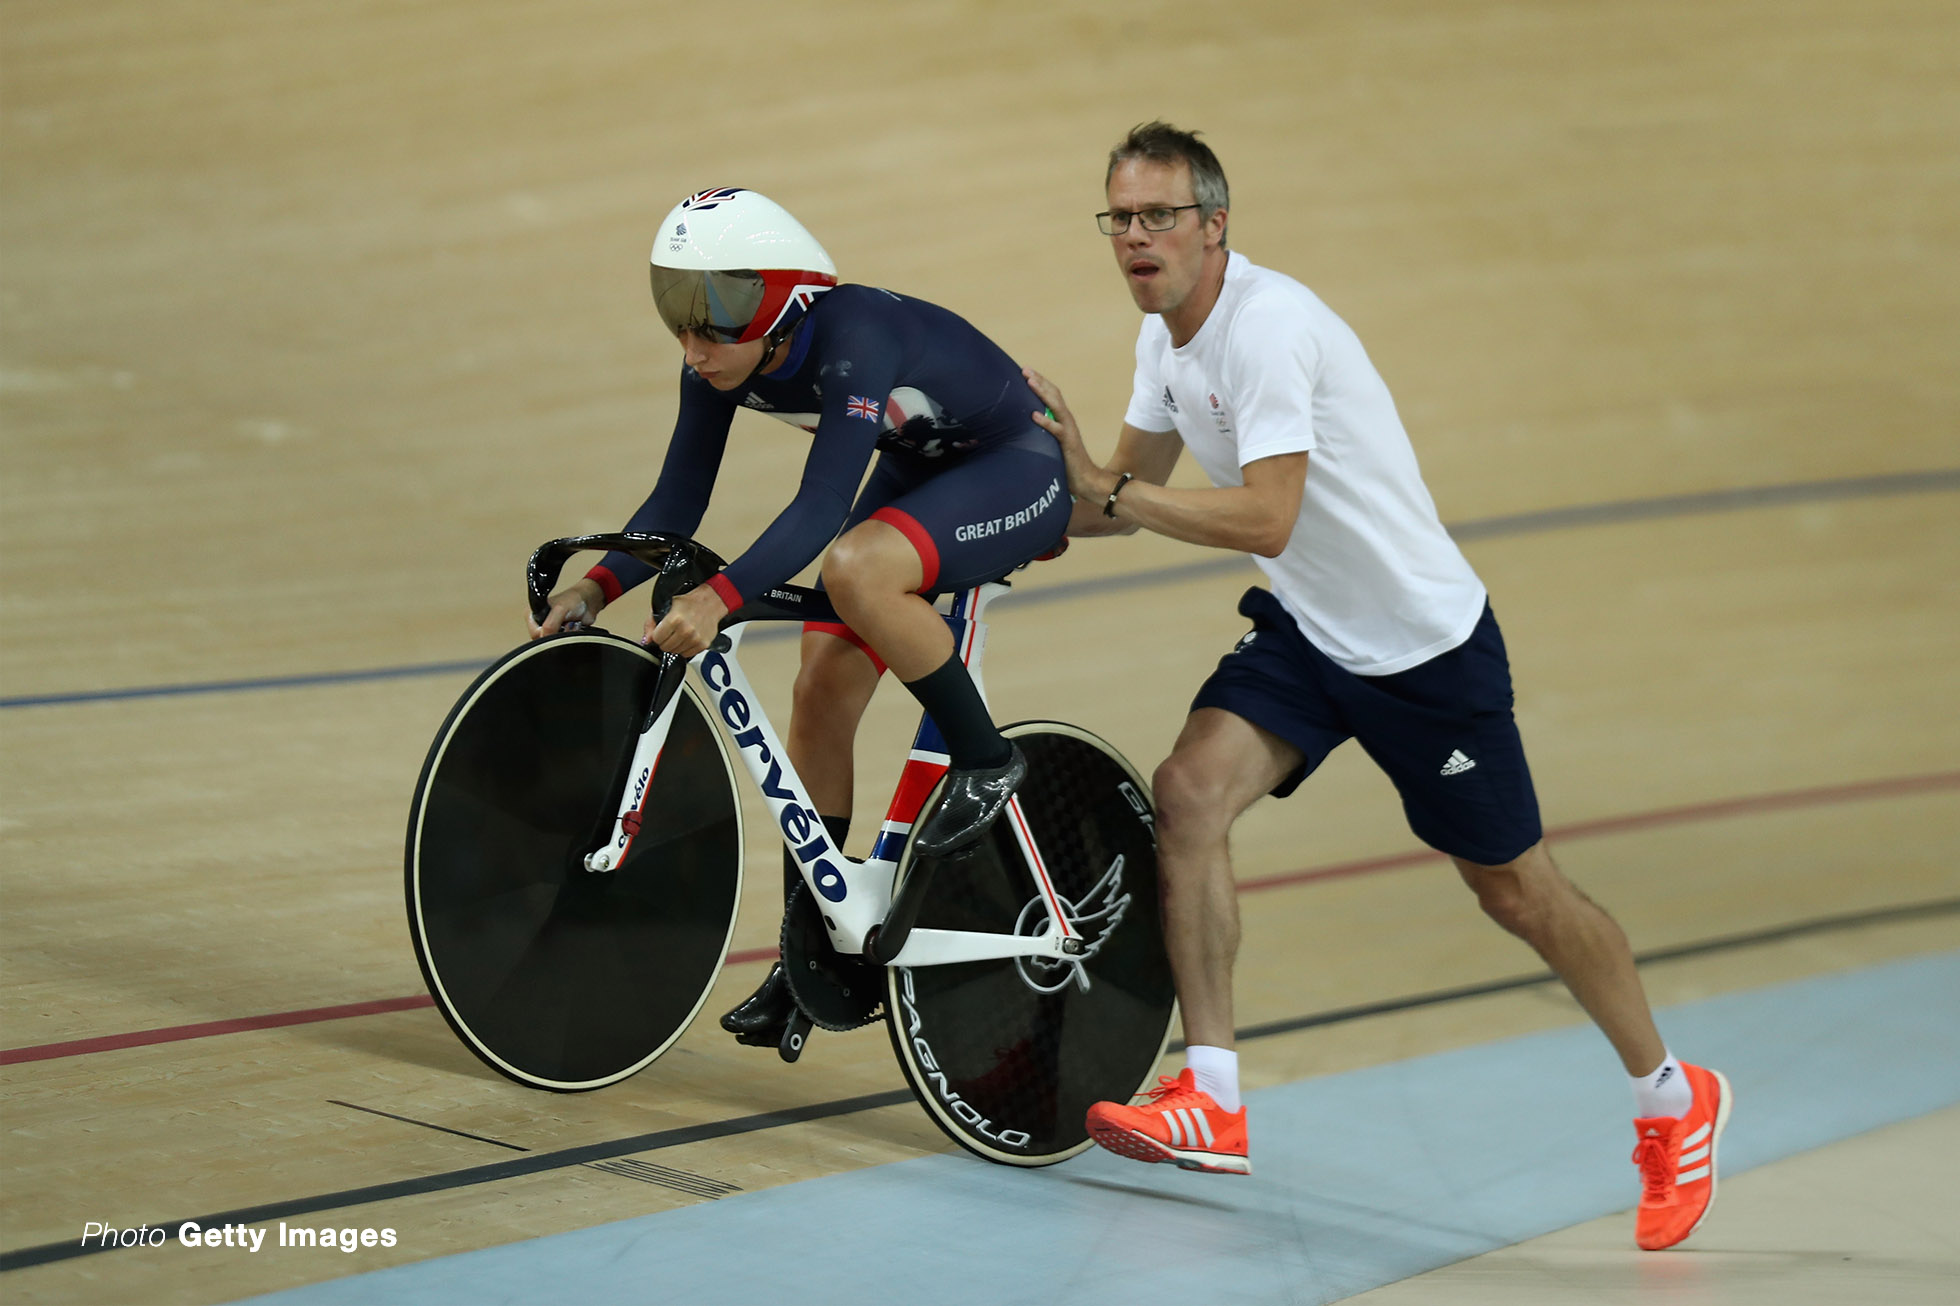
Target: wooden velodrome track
[317,317]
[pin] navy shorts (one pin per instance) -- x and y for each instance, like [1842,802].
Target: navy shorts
[975,519]
[1443,731]
[971,520]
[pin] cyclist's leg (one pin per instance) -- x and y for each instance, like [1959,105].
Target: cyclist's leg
[834,684]
[969,521]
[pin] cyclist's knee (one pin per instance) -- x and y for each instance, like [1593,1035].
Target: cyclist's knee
[870,559]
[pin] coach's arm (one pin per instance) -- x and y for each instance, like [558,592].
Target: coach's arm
[1256,517]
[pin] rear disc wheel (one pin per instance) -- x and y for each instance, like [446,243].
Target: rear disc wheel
[1008,1055]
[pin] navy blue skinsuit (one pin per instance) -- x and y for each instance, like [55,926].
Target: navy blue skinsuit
[965,474]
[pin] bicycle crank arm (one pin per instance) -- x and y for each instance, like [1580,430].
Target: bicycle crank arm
[940,947]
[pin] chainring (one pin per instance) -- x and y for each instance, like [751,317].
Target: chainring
[835,991]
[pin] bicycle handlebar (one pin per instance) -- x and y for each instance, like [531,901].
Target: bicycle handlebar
[680,564]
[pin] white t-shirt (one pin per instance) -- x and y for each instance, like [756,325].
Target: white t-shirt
[1370,575]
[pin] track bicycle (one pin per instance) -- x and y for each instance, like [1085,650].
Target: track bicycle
[574,864]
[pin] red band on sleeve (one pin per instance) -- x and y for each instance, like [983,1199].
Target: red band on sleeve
[724,587]
[921,539]
[608,583]
[849,636]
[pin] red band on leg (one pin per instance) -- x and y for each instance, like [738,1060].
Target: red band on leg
[849,636]
[908,526]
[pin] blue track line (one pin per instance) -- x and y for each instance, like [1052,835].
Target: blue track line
[1484,528]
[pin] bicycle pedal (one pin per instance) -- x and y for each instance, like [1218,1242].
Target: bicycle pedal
[795,1034]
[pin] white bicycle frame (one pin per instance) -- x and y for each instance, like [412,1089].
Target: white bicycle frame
[854,896]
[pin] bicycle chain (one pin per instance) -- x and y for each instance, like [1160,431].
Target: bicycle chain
[835,991]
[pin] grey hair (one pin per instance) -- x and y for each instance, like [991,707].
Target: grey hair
[1159,142]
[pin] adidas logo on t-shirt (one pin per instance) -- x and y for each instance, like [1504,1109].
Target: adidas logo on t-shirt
[1457,763]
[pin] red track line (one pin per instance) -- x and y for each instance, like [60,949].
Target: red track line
[175,1033]
[1795,798]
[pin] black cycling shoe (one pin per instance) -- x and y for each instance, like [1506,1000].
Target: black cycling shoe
[762,1016]
[969,805]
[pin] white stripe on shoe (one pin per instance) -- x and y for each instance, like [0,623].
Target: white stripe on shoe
[1204,1125]
[1689,1176]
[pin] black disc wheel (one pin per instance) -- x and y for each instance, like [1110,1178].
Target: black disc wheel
[557,976]
[1007,1056]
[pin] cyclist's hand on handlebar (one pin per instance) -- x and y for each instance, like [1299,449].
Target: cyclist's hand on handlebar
[578,604]
[690,624]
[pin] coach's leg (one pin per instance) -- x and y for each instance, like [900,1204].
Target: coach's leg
[1220,766]
[1584,946]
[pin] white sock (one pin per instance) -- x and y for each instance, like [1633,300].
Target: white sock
[1217,1073]
[1664,1091]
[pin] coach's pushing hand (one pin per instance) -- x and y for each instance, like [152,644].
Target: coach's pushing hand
[1086,480]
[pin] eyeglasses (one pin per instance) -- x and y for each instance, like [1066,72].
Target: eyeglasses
[1114,222]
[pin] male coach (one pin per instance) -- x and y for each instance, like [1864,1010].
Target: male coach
[1374,628]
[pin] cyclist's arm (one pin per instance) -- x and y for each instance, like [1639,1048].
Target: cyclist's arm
[687,479]
[847,433]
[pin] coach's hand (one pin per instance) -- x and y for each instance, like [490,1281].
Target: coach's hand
[578,604]
[1084,476]
[690,624]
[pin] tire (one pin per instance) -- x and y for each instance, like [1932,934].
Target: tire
[559,977]
[1007,1056]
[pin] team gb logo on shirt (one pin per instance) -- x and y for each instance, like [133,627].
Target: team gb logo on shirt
[1218,415]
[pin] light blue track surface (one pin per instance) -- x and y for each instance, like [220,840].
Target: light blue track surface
[1361,1179]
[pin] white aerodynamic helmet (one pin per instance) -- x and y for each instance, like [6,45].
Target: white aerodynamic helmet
[734,266]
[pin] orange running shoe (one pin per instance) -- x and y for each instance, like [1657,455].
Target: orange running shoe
[1178,1124]
[1677,1162]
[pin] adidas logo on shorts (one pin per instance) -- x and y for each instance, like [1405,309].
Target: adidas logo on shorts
[1457,763]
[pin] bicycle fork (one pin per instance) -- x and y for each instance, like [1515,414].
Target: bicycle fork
[646,761]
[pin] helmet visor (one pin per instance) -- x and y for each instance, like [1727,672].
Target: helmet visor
[718,305]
